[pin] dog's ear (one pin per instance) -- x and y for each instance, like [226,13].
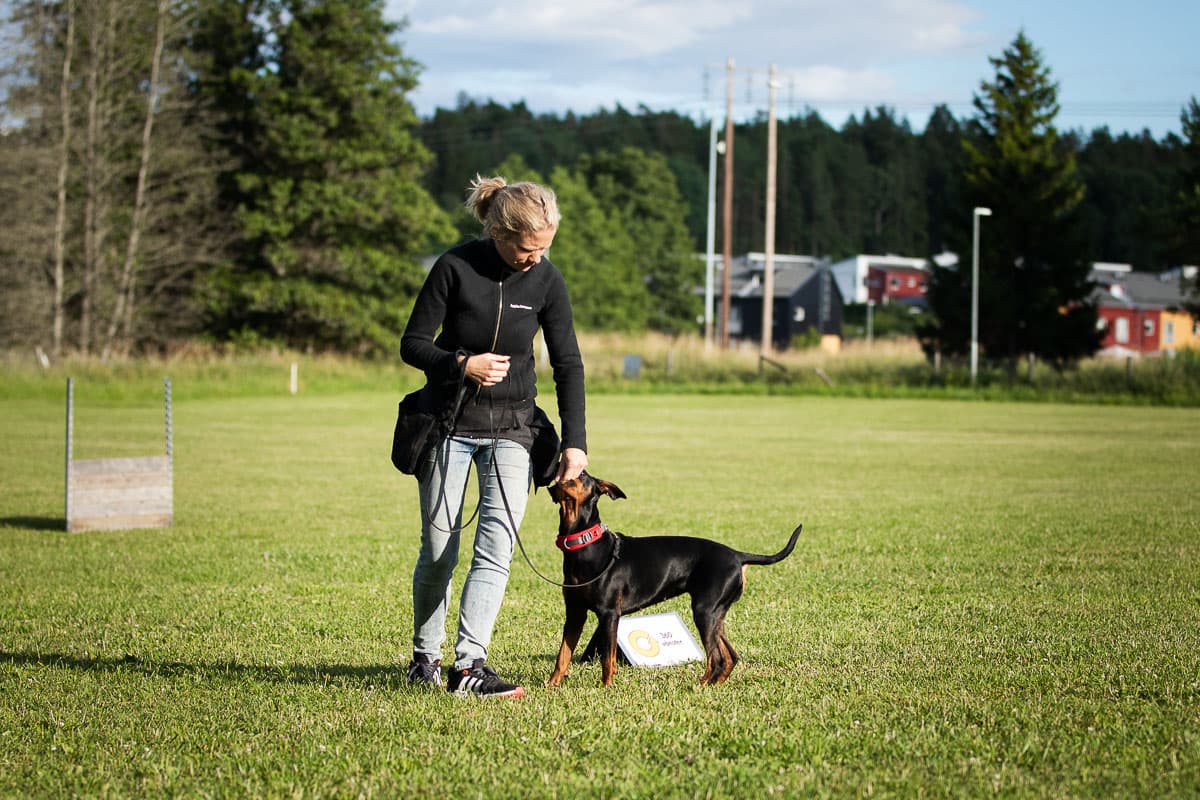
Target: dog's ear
[610,489]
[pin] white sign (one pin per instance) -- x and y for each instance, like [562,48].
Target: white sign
[657,640]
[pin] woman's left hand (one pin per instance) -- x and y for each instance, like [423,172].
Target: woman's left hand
[572,462]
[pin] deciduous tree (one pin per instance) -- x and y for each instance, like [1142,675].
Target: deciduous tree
[111,211]
[643,191]
[591,249]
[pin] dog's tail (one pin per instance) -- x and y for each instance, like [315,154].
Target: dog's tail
[753,558]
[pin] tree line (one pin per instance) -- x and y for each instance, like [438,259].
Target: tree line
[252,171]
[873,186]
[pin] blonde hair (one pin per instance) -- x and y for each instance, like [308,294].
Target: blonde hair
[510,210]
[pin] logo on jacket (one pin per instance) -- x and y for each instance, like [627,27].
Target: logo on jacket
[520,306]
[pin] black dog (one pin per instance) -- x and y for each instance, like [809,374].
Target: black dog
[611,575]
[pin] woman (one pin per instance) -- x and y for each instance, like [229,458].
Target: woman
[488,298]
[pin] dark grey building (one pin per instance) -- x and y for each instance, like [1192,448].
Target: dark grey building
[806,297]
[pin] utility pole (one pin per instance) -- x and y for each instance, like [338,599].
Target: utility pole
[768,311]
[726,148]
[727,208]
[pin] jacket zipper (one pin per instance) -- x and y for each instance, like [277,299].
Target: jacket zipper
[496,332]
[499,311]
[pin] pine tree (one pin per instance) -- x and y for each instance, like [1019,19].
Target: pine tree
[942,154]
[328,199]
[1130,181]
[895,216]
[1186,242]
[818,186]
[1033,288]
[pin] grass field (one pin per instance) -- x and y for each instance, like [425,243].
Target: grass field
[988,599]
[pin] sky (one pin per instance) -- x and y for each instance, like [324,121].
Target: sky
[1129,66]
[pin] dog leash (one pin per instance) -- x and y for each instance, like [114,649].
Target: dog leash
[499,482]
[441,445]
[462,393]
[492,470]
[616,553]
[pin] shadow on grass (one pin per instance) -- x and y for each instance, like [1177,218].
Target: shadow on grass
[387,676]
[391,675]
[34,523]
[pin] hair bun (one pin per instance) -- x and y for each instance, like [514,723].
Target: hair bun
[508,210]
[481,192]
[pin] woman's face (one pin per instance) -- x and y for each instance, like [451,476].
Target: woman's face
[524,251]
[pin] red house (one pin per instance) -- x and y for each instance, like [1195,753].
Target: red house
[896,284]
[1134,308]
[1128,327]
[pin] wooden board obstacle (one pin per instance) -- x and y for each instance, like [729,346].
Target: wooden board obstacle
[118,493]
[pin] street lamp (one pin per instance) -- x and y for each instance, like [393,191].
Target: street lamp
[870,322]
[979,212]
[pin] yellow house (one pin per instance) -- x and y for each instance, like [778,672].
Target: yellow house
[1179,330]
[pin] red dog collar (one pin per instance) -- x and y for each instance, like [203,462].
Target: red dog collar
[577,541]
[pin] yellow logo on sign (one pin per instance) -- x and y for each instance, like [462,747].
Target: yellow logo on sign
[643,643]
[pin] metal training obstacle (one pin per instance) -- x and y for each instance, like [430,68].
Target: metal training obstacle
[117,493]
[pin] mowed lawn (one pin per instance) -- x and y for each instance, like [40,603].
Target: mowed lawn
[988,599]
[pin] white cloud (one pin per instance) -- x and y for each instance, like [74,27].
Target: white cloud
[543,92]
[622,30]
[929,26]
[590,53]
[580,54]
[824,82]
[875,31]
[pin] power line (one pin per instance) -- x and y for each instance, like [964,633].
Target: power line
[755,100]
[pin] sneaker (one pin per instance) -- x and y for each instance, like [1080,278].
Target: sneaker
[422,671]
[481,680]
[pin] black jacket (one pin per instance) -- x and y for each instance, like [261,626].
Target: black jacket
[483,305]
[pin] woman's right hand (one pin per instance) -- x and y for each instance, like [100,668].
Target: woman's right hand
[487,369]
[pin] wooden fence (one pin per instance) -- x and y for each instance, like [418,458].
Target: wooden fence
[117,493]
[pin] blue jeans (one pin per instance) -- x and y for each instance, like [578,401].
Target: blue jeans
[443,485]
